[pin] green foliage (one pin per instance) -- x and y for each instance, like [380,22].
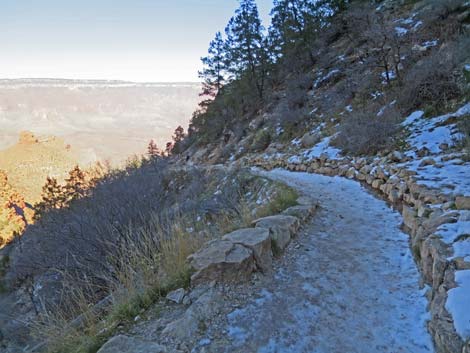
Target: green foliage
[247,57]
[261,140]
[214,68]
[283,198]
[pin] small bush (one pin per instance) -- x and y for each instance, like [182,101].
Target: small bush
[430,83]
[261,140]
[284,197]
[366,133]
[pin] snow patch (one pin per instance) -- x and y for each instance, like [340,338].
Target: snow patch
[323,147]
[401,31]
[458,303]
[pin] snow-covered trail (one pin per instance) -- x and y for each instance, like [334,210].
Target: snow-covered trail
[348,283]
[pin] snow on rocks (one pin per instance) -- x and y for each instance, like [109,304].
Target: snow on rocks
[431,138]
[458,303]
[400,31]
[322,148]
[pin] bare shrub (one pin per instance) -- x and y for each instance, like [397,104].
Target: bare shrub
[367,133]
[464,141]
[430,84]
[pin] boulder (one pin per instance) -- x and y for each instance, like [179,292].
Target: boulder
[185,329]
[393,196]
[126,344]
[258,241]
[281,228]
[221,260]
[462,202]
[377,183]
[176,296]
[396,156]
[310,139]
[302,212]
[409,217]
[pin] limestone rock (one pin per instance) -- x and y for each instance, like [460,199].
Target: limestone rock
[202,310]
[409,217]
[309,140]
[176,296]
[222,260]
[377,183]
[462,202]
[302,212]
[281,228]
[257,240]
[393,196]
[126,344]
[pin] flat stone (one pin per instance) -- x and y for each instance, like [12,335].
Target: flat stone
[222,260]
[409,217]
[377,183]
[202,310]
[281,228]
[176,296]
[257,240]
[462,202]
[301,212]
[126,344]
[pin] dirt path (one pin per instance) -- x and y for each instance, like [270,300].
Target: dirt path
[348,283]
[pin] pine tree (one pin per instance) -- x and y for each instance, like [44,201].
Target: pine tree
[168,148]
[178,136]
[52,197]
[152,150]
[245,45]
[214,66]
[75,185]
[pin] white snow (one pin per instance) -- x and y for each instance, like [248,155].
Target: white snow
[458,303]
[326,77]
[430,133]
[295,142]
[417,25]
[462,249]
[451,176]
[391,75]
[401,31]
[376,95]
[448,176]
[352,285]
[294,160]
[430,43]
[323,147]
[449,232]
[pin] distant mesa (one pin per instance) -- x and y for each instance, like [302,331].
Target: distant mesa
[27,138]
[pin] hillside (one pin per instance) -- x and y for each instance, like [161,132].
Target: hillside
[318,202]
[32,159]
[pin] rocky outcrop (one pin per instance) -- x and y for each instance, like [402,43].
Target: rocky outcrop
[206,306]
[258,241]
[424,210]
[281,228]
[222,260]
[126,344]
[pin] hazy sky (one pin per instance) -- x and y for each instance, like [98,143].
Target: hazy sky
[137,40]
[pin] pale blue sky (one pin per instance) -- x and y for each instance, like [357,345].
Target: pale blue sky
[137,40]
